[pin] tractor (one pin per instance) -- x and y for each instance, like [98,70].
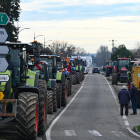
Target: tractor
[119,72]
[68,70]
[57,78]
[133,75]
[72,64]
[109,66]
[78,64]
[23,95]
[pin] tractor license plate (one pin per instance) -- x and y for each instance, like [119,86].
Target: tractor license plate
[1,95]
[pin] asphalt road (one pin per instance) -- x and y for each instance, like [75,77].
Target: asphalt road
[93,115]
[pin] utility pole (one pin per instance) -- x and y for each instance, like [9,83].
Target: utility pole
[112,45]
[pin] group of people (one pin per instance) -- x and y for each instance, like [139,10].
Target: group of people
[125,97]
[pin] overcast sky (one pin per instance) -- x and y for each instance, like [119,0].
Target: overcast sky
[85,23]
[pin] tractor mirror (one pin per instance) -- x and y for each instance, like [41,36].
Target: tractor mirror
[36,57]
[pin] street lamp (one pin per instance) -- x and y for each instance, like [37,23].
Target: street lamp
[46,41]
[37,36]
[21,30]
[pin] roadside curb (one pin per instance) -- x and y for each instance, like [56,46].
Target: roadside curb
[133,131]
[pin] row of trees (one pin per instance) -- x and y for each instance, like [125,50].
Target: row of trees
[102,56]
[58,47]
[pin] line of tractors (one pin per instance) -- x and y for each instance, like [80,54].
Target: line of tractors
[125,70]
[33,85]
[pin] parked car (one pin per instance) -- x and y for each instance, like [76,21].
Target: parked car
[96,70]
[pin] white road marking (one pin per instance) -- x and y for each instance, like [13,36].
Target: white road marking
[48,132]
[118,107]
[95,133]
[126,123]
[129,129]
[112,92]
[70,133]
[84,80]
[115,133]
[124,117]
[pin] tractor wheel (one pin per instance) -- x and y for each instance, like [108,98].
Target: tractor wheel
[78,77]
[107,72]
[114,78]
[42,87]
[83,74]
[54,99]
[73,79]
[50,101]
[68,86]
[58,92]
[64,93]
[27,116]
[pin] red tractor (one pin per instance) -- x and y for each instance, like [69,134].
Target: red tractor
[119,72]
[109,66]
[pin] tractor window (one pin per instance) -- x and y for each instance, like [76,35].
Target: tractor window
[123,63]
[50,66]
[14,66]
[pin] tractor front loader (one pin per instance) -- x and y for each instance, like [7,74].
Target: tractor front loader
[21,106]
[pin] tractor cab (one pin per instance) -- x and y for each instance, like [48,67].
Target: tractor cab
[120,70]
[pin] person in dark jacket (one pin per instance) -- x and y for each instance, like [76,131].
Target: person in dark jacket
[124,99]
[134,93]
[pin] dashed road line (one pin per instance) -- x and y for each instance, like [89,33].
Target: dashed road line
[126,123]
[124,117]
[70,133]
[84,81]
[48,132]
[94,132]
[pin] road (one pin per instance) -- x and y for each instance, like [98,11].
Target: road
[93,115]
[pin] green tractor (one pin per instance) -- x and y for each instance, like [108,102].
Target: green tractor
[23,96]
[46,71]
[57,79]
[79,70]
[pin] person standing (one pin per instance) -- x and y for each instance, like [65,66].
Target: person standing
[124,99]
[134,93]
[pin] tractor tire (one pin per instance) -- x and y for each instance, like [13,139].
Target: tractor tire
[58,92]
[74,79]
[50,101]
[42,87]
[107,72]
[64,93]
[114,78]
[83,74]
[54,100]
[68,86]
[78,77]
[27,116]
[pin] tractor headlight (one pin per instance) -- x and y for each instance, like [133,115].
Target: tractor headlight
[2,87]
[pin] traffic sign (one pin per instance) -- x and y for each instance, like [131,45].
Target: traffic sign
[4,19]
[4,78]
[3,65]
[4,49]
[3,35]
